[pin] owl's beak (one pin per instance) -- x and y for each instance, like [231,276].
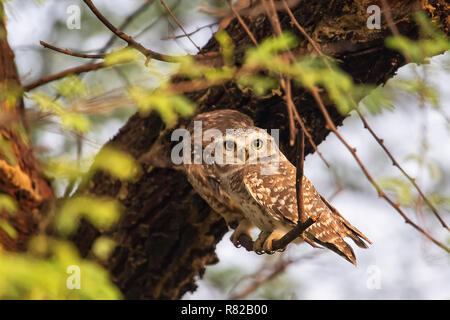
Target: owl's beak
[244,155]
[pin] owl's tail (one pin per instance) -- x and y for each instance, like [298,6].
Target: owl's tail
[329,231]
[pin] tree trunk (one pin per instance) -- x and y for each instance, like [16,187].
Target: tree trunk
[20,176]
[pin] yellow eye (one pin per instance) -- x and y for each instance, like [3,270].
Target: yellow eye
[257,144]
[229,145]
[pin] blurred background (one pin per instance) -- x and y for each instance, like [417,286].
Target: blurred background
[401,263]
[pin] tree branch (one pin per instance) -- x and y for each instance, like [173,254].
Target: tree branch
[131,42]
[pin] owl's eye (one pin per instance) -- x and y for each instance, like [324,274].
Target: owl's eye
[229,145]
[257,144]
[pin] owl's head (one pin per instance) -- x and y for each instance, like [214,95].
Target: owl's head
[239,146]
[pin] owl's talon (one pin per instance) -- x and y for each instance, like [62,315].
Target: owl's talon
[268,243]
[258,245]
[243,228]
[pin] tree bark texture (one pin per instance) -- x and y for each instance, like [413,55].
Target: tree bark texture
[20,176]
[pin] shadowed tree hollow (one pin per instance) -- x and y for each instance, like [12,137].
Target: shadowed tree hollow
[168,234]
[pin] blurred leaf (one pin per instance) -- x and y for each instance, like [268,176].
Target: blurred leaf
[435,170]
[264,54]
[71,87]
[8,228]
[6,149]
[122,56]
[226,43]
[8,204]
[27,276]
[419,87]
[223,278]
[103,213]
[63,168]
[69,119]
[279,288]
[261,85]
[401,188]
[168,105]
[377,100]
[417,51]
[119,164]
[103,247]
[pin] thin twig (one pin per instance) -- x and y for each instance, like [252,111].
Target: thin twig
[366,125]
[160,16]
[179,24]
[72,53]
[131,42]
[396,164]
[299,27]
[279,268]
[242,22]
[286,85]
[62,74]
[380,191]
[174,37]
[262,278]
[390,21]
[127,22]
[299,175]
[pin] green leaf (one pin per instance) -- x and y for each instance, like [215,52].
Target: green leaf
[8,228]
[69,119]
[377,100]
[117,163]
[122,56]
[103,247]
[103,213]
[8,204]
[226,43]
[264,54]
[168,105]
[43,273]
[401,188]
[261,85]
[71,87]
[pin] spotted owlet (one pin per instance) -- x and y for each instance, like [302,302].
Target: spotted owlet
[243,176]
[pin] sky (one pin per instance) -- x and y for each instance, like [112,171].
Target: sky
[400,264]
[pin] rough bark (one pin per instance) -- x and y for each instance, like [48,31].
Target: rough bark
[20,176]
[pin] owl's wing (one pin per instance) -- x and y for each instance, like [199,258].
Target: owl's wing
[277,196]
[203,180]
[274,192]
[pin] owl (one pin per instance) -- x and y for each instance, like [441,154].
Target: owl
[246,178]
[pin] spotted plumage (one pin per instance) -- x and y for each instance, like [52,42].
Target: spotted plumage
[258,188]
